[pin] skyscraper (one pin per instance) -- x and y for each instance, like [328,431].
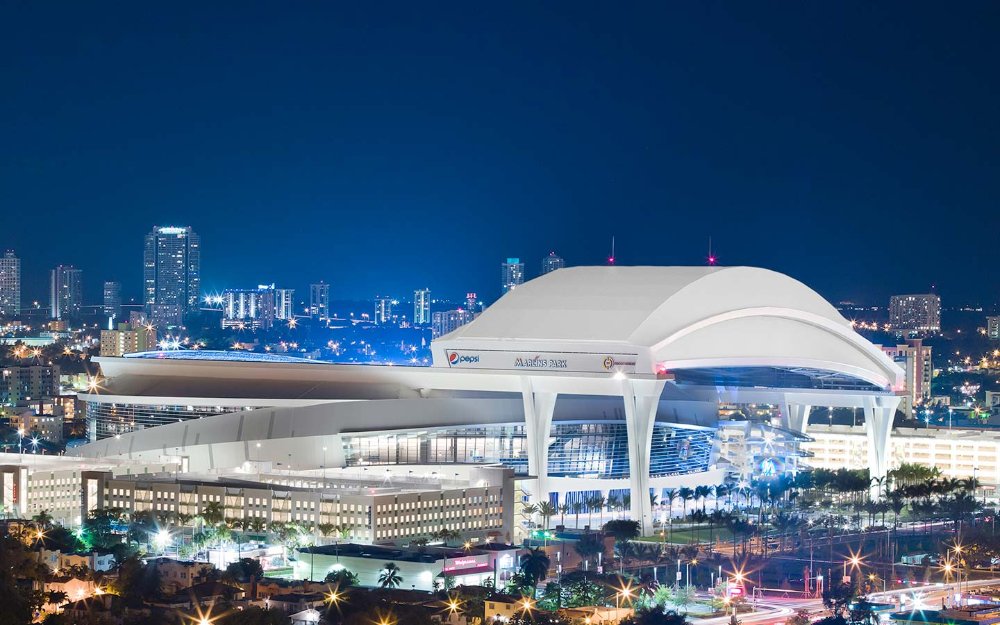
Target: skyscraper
[383,309]
[511,275]
[10,285]
[552,262]
[448,321]
[421,307]
[915,359]
[249,309]
[472,303]
[319,301]
[915,314]
[113,299]
[171,272]
[284,304]
[65,297]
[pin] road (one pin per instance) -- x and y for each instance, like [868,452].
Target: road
[775,610]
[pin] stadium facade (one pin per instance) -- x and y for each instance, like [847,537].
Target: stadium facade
[587,379]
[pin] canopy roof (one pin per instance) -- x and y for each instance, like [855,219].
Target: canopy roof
[668,318]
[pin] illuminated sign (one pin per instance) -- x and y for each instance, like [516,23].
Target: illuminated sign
[465,562]
[542,361]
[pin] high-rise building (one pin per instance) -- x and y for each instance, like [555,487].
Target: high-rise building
[472,304]
[383,309]
[421,307]
[449,320]
[10,285]
[915,314]
[20,384]
[65,297]
[993,328]
[319,301]
[113,300]
[284,304]
[127,339]
[171,272]
[552,262]
[511,275]
[915,359]
[250,309]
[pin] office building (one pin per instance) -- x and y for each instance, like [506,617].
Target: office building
[993,328]
[421,307]
[552,262]
[384,309]
[284,304]
[10,285]
[127,339]
[59,485]
[448,320]
[957,453]
[171,273]
[511,275]
[915,314]
[248,309]
[915,359]
[371,509]
[113,300]
[65,296]
[319,301]
[585,379]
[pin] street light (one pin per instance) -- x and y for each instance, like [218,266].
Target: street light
[625,592]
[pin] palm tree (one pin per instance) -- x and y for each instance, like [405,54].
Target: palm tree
[529,510]
[577,509]
[535,565]
[326,529]
[722,490]
[547,510]
[597,502]
[390,577]
[563,509]
[685,494]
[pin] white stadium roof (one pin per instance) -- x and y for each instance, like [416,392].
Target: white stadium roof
[654,319]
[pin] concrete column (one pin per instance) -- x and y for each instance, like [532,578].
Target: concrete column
[879,412]
[538,409]
[642,398]
[795,417]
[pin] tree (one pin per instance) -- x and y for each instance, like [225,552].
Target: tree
[801,617]
[623,529]
[588,546]
[836,597]
[390,577]
[535,565]
[245,570]
[342,578]
[547,510]
[644,615]
[685,494]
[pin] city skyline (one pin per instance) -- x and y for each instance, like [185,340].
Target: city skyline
[794,148]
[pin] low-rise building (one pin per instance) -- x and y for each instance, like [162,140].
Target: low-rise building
[958,453]
[370,510]
[421,568]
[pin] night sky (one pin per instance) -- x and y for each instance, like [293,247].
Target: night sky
[384,147]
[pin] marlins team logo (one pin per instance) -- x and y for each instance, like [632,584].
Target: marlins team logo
[609,362]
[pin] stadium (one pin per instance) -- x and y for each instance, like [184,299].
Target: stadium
[585,380]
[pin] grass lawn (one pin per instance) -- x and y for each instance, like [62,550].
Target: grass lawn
[692,535]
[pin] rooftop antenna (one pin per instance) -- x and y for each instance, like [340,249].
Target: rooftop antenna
[711,257]
[611,259]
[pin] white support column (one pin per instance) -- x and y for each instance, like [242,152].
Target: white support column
[795,417]
[538,409]
[879,413]
[642,398]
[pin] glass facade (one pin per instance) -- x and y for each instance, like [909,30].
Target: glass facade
[595,450]
[107,420]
